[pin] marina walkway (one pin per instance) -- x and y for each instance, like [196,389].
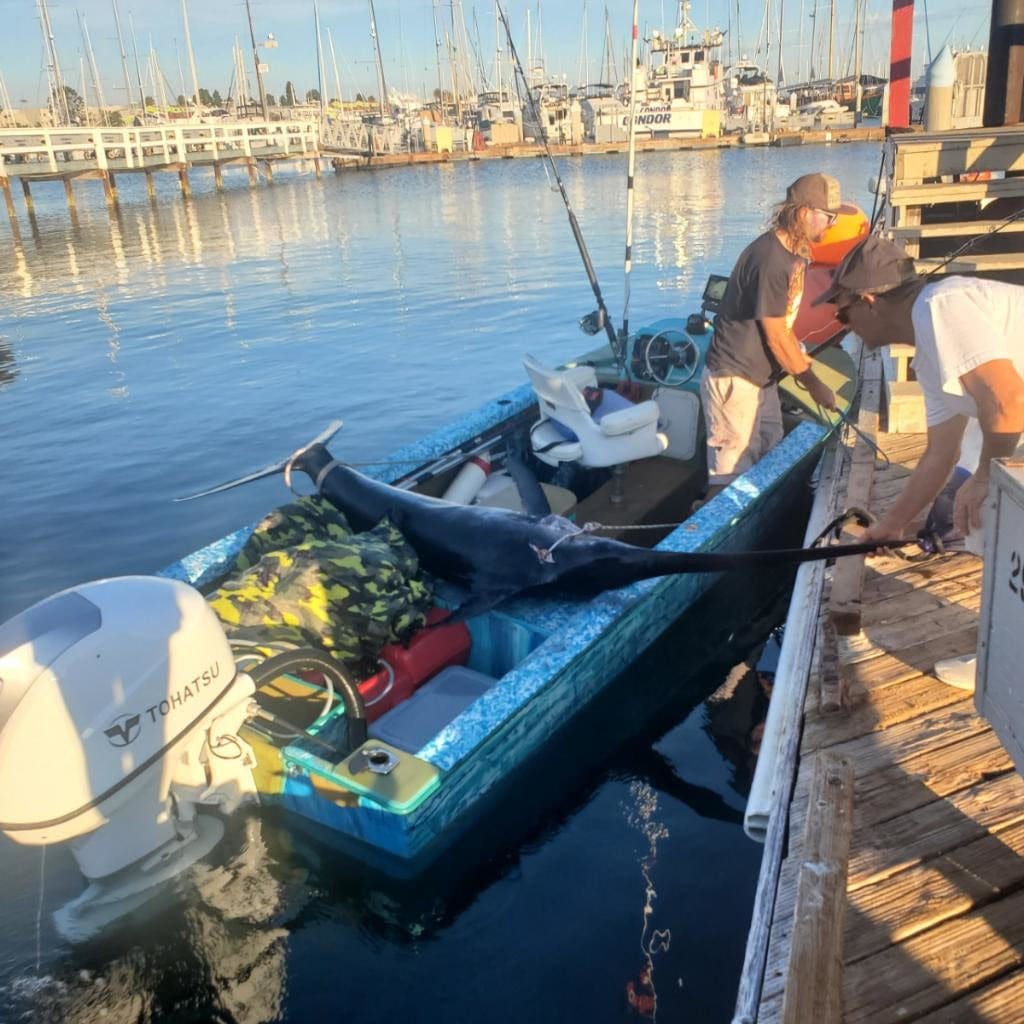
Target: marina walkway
[916,805]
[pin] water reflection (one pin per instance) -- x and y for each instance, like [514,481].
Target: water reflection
[8,369]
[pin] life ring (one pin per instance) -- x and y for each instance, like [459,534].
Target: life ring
[849,227]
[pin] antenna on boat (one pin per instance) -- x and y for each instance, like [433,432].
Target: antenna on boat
[599,319]
[630,171]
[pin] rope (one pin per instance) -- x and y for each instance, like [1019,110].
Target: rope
[835,527]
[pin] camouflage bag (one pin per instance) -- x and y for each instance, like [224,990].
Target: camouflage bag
[305,579]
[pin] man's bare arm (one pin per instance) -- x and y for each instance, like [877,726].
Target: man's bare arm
[928,478]
[782,344]
[998,392]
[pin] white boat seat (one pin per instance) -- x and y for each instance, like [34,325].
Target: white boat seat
[568,431]
[412,724]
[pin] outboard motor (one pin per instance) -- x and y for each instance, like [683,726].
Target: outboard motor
[120,707]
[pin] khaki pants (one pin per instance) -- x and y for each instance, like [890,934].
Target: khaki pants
[743,422]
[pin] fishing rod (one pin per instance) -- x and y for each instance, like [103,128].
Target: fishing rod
[599,319]
[975,239]
[630,171]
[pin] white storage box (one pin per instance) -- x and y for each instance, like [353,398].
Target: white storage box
[999,694]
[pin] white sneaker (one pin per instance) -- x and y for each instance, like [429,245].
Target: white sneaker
[958,672]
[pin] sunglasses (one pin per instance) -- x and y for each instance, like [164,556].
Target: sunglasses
[830,217]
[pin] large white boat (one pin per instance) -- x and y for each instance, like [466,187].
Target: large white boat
[683,91]
[554,114]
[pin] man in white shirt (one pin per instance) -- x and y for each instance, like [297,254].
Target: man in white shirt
[969,336]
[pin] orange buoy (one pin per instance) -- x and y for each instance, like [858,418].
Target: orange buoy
[814,325]
[850,226]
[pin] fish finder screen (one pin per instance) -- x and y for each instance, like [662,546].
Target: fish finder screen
[714,292]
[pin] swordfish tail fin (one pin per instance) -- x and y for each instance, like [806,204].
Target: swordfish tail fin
[297,460]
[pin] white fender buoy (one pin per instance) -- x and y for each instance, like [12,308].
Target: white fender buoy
[469,479]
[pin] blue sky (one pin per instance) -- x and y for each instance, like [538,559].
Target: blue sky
[407,36]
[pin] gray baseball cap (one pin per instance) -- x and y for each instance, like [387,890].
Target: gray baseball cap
[875,265]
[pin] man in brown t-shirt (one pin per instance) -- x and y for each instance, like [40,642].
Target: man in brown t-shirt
[754,337]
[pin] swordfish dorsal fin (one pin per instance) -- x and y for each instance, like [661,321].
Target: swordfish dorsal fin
[278,467]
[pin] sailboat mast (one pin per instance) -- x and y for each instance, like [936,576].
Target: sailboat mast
[497,54]
[256,61]
[138,68]
[453,66]
[831,35]
[800,77]
[780,75]
[93,70]
[381,85]
[858,47]
[158,79]
[191,56]
[437,53]
[319,56]
[85,94]
[124,57]
[337,77]
[58,94]
[6,113]
[181,80]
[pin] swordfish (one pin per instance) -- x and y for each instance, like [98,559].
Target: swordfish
[496,553]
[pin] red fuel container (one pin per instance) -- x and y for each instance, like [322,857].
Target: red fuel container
[406,666]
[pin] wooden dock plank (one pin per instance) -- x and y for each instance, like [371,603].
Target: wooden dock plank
[936,828]
[904,786]
[922,897]
[926,971]
[894,704]
[813,989]
[902,607]
[997,1003]
[867,674]
[951,724]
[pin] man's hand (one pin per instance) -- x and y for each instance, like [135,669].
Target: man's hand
[968,502]
[820,392]
[883,529]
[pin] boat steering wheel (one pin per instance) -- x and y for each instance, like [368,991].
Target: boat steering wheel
[662,356]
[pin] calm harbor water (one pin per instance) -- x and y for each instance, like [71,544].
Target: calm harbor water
[149,352]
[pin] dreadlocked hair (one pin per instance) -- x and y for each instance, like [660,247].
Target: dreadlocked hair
[786,217]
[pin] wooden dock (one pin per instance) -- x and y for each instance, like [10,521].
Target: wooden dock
[30,155]
[65,155]
[900,895]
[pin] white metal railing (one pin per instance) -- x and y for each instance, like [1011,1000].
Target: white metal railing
[32,151]
[347,135]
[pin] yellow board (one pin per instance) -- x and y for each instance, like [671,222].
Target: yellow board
[836,369]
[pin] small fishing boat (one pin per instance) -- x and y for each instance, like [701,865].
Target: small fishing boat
[504,681]
[499,529]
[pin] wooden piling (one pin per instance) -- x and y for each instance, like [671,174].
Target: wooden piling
[150,186]
[268,170]
[5,184]
[28,196]
[70,193]
[316,166]
[218,177]
[186,188]
[108,188]
[250,166]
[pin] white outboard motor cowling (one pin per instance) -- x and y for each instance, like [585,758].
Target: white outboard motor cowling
[120,706]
